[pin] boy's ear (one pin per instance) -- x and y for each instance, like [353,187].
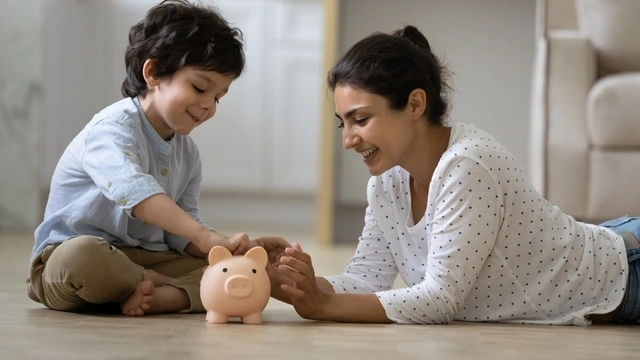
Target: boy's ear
[217,254]
[147,72]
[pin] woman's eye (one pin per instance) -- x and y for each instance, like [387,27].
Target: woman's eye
[341,125]
[361,121]
[198,89]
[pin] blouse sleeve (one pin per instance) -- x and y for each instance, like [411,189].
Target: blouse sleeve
[372,268]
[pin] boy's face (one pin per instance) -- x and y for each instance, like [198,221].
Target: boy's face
[185,101]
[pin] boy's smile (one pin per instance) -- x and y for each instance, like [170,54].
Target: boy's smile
[195,118]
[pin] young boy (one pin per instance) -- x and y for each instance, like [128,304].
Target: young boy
[121,224]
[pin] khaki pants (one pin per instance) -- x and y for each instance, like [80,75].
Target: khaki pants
[86,273]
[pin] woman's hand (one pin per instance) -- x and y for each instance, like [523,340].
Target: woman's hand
[306,297]
[275,247]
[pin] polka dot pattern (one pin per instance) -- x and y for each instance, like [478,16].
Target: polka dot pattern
[488,248]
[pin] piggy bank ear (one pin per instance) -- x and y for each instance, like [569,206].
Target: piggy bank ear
[258,254]
[217,254]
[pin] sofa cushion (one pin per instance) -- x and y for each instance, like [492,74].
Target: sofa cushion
[614,29]
[613,111]
[613,179]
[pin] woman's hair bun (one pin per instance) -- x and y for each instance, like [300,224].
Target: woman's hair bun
[412,33]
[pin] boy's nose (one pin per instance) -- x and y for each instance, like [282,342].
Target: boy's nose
[209,107]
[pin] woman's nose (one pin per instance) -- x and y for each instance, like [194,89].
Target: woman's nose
[349,138]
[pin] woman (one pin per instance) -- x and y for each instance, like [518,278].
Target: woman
[451,212]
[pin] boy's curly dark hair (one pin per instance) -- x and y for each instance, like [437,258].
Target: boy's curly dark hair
[177,33]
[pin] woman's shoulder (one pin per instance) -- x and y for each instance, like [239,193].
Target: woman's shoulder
[463,135]
[475,157]
[472,142]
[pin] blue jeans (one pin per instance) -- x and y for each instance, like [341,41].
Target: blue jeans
[630,312]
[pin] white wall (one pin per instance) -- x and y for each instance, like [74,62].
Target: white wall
[20,99]
[488,45]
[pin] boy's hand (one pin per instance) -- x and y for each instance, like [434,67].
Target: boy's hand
[237,244]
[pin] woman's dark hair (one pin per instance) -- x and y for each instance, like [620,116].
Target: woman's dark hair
[392,66]
[177,33]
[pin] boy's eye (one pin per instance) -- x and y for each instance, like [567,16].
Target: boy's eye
[198,89]
[341,125]
[217,101]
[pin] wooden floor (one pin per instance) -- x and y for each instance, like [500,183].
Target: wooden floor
[29,331]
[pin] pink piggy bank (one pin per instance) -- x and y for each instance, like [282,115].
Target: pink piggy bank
[235,286]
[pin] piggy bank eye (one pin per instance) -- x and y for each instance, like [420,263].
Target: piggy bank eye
[254,271]
[224,270]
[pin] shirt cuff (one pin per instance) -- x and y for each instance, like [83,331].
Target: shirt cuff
[133,195]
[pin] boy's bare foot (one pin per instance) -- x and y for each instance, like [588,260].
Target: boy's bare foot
[148,299]
[140,301]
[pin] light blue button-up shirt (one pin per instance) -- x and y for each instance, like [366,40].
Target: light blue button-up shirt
[117,161]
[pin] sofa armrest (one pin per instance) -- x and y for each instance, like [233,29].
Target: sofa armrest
[565,71]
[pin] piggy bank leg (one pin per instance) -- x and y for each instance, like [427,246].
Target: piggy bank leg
[216,318]
[255,319]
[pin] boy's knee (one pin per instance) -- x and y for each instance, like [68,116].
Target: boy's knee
[89,269]
[80,252]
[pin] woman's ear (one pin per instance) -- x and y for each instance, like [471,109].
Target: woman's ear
[417,103]
[147,73]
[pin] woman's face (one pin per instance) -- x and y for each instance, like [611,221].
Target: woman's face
[376,132]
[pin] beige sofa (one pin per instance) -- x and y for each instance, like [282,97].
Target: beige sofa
[585,120]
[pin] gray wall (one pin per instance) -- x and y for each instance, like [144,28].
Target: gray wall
[488,46]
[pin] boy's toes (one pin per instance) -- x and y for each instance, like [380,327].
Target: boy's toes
[140,300]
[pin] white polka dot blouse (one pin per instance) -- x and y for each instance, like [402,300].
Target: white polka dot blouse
[488,248]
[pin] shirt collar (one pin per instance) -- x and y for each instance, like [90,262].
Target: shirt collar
[151,133]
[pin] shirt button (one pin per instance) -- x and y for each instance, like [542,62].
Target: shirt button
[108,183]
[122,202]
[127,153]
[164,172]
[144,223]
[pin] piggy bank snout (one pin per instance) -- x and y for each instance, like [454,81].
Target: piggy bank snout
[238,286]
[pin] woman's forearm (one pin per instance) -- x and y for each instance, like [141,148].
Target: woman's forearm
[355,308]
[324,285]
